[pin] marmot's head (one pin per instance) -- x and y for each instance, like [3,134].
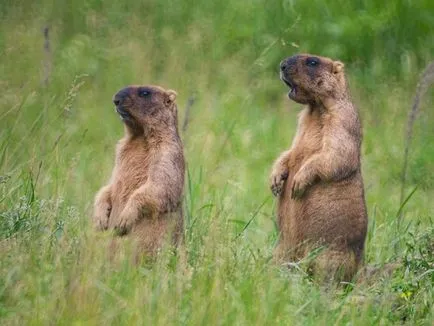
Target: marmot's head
[312,79]
[146,107]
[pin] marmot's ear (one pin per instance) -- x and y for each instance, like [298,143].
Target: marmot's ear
[337,67]
[171,96]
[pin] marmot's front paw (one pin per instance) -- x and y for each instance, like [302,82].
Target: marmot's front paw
[300,183]
[277,179]
[126,220]
[101,218]
[100,223]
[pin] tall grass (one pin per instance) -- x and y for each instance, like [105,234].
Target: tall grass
[59,128]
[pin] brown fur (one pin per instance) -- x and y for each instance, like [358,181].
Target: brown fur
[143,197]
[318,180]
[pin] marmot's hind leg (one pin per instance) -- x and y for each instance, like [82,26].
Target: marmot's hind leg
[333,265]
[153,235]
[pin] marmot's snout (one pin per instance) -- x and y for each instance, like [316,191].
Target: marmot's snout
[120,96]
[118,100]
[288,63]
[288,68]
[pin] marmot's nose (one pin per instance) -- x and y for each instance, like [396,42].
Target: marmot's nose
[120,96]
[289,63]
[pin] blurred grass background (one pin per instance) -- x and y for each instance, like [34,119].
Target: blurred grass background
[59,128]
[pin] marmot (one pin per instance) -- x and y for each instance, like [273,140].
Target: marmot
[143,197]
[318,181]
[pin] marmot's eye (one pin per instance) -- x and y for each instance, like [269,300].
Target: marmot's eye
[144,93]
[312,62]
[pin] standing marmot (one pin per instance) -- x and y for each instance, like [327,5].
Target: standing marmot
[144,194]
[318,181]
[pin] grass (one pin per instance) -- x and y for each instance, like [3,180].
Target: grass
[59,128]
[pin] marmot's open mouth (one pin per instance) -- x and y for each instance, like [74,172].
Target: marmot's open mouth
[124,114]
[288,83]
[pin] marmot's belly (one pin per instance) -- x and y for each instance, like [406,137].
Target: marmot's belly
[327,213]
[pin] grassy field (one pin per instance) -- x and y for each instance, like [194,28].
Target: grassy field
[58,129]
